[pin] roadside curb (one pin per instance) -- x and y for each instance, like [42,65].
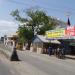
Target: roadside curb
[6,53]
[70,57]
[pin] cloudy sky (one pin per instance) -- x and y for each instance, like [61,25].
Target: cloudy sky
[56,8]
[7,27]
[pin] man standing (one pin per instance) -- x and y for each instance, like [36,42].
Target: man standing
[63,53]
[50,50]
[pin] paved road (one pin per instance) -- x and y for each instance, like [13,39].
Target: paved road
[36,64]
[49,65]
[6,68]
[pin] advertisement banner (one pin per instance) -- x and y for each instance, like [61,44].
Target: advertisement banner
[70,31]
[58,33]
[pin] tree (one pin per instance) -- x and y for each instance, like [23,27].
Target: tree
[25,35]
[36,23]
[38,19]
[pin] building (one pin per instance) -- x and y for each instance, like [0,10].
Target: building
[66,36]
[40,44]
[9,39]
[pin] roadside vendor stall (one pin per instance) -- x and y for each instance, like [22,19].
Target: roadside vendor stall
[66,37]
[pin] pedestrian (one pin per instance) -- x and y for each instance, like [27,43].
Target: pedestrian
[63,53]
[59,53]
[50,50]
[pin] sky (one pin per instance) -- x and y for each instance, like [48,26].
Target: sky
[56,8]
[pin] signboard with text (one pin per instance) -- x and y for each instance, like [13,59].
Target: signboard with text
[58,33]
[61,33]
[70,31]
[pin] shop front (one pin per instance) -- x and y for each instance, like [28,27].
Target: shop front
[66,37]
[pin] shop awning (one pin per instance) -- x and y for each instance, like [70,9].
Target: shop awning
[55,41]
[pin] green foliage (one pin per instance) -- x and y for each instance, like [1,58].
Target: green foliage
[37,21]
[24,33]
[38,17]
[45,28]
[17,16]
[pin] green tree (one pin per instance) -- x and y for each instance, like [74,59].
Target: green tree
[25,35]
[36,23]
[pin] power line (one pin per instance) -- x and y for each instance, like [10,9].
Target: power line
[17,2]
[53,9]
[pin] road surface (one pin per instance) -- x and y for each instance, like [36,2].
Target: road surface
[37,64]
[6,68]
[48,65]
